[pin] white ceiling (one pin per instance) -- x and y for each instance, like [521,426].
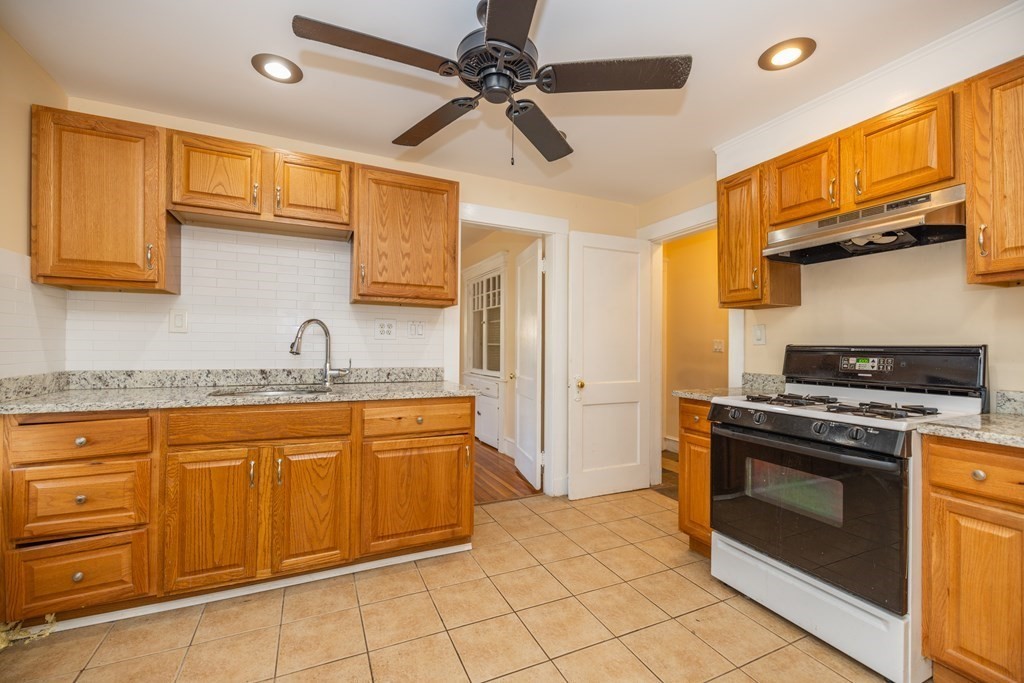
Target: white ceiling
[191,58]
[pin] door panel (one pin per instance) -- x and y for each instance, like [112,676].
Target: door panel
[311,506]
[609,364]
[529,328]
[804,183]
[741,237]
[215,174]
[312,188]
[695,486]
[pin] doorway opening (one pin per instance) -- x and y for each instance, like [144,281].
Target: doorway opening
[502,357]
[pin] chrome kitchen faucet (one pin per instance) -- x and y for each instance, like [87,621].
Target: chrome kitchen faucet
[296,348]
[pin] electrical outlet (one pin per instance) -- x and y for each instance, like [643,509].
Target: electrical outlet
[717,346]
[760,335]
[384,329]
[416,329]
[177,322]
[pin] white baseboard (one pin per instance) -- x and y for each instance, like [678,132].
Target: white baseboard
[670,443]
[508,447]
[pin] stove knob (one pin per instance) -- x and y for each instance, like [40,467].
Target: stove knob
[759,418]
[856,433]
[819,428]
[735,414]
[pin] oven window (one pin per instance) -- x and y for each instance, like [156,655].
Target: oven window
[807,494]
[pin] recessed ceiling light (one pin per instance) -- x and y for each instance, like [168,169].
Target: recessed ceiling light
[276,68]
[786,54]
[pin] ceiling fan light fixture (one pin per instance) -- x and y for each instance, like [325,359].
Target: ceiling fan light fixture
[276,68]
[786,54]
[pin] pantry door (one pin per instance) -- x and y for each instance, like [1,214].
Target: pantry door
[609,364]
[529,352]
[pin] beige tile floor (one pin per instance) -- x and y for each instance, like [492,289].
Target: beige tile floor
[603,589]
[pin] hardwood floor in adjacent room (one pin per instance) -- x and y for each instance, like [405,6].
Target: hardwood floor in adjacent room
[497,478]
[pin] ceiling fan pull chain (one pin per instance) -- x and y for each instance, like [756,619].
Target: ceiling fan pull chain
[513,139]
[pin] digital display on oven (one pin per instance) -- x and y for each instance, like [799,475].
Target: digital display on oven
[865,364]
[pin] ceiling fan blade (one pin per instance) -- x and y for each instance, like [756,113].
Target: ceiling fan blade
[304,27]
[538,129]
[508,21]
[434,122]
[639,73]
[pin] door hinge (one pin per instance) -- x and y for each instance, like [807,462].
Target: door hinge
[542,459]
[543,265]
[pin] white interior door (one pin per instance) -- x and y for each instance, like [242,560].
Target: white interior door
[609,364]
[529,349]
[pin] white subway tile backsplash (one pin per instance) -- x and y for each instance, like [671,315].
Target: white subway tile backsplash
[32,329]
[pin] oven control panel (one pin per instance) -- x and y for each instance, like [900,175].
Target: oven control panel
[866,363]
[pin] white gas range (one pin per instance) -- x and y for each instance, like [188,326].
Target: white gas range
[816,492]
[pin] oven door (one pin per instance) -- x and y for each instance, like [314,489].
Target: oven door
[832,512]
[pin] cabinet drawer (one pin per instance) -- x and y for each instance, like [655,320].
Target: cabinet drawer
[486,387]
[74,574]
[390,420]
[73,499]
[693,416]
[226,425]
[955,464]
[85,439]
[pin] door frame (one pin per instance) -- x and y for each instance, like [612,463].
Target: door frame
[555,233]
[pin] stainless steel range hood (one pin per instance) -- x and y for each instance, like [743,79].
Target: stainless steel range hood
[916,221]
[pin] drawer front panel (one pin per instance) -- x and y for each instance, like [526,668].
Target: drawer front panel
[416,419]
[979,471]
[232,425]
[86,439]
[78,498]
[76,574]
[486,387]
[693,416]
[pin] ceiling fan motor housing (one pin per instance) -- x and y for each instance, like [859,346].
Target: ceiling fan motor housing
[495,69]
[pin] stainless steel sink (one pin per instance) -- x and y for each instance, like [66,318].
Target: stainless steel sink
[305,390]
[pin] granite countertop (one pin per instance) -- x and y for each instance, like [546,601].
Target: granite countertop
[708,394]
[1001,429]
[97,399]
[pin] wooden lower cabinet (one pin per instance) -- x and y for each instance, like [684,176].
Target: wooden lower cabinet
[974,559]
[415,492]
[312,506]
[695,474]
[210,517]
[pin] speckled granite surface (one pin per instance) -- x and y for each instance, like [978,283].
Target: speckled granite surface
[1009,402]
[708,394]
[140,379]
[754,382]
[995,428]
[12,388]
[86,400]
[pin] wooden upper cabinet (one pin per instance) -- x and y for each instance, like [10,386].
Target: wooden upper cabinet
[995,171]
[741,238]
[99,204]
[905,149]
[311,494]
[804,182]
[405,240]
[312,188]
[215,174]
[210,517]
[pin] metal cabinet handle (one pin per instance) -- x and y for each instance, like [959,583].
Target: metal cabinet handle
[753,278]
[81,441]
[80,499]
[696,418]
[981,240]
[280,476]
[77,577]
[419,419]
[362,272]
[832,191]
[252,474]
[255,192]
[278,195]
[149,256]
[467,456]
[856,182]
[979,475]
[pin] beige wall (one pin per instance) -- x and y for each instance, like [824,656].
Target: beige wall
[690,196]
[23,84]
[586,214]
[514,243]
[692,319]
[917,296]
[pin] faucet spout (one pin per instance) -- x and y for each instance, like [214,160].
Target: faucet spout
[295,348]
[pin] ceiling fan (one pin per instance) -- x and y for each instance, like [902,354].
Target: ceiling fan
[498,61]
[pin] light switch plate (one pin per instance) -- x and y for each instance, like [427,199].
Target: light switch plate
[177,321]
[760,335]
[416,329]
[385,329]
[717,346]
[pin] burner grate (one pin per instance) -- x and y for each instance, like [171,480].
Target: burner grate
[886,411]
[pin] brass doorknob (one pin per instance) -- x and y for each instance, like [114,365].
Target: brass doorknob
[580,384]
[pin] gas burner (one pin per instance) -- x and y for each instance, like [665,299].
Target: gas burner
[791,400]
[885,411]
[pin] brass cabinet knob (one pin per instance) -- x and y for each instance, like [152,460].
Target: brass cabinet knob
[419,419]
[696,418]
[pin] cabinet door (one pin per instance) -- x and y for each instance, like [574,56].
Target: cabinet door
[804,183]
[414,492]
[215,174]
[908,148]
[995,203]
[210,517]
[975,604]
[312,188]
[97,198]
[405,239]
[741,237]
[695,486]
[311,506]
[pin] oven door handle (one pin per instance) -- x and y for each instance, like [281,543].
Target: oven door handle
[810,451]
